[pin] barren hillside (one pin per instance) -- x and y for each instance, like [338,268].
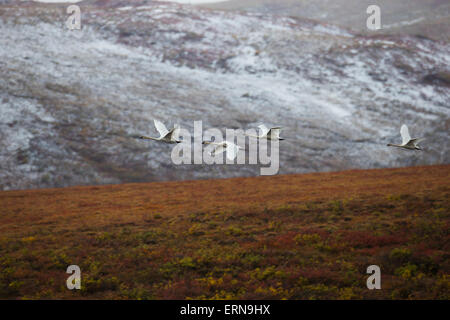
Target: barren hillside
[72,102]
[427,18]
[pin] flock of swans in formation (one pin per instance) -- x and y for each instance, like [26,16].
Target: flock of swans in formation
[171,136]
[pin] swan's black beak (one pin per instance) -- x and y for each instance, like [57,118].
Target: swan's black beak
[141,137]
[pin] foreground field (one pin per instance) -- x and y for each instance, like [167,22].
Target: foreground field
[308,236]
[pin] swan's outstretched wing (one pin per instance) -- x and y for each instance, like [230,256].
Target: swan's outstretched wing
[264,130]
[405,134]
[232,150]
[416,141]
[274,133]
[218,149]
[161,128]
[174,134]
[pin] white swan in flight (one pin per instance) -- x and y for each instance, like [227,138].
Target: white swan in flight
[407,142]
[268,133]
[165,135]
[220,147]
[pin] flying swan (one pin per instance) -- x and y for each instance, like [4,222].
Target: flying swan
[220,147]
[268,133]
[407,142]
[165,135]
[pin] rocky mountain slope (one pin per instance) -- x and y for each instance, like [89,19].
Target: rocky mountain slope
[71,102]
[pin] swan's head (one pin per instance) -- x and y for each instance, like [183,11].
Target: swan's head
[389,145]
[418,148]
[141,137]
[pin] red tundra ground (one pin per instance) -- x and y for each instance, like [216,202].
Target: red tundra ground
[309,236]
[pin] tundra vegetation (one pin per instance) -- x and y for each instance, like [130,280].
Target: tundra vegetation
[308,236]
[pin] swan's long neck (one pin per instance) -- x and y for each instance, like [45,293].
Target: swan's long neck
[149,138]
[395,145]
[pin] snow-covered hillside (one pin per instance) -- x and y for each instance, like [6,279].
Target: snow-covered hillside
[71,102]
